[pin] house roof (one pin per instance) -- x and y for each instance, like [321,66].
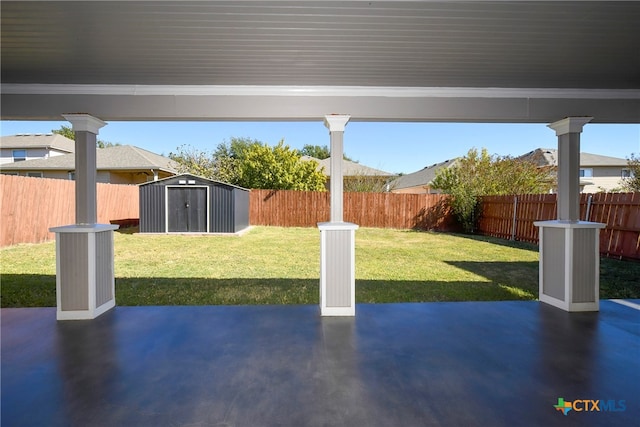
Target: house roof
[120,157]
[349,168]
[422,177]
[588,159]
[38,140]
[549,157]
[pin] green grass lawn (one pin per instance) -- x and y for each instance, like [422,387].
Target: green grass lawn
[272,265]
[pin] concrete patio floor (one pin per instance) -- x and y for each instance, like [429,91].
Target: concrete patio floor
[431,364]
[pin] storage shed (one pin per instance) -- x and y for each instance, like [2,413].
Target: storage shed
[191,204]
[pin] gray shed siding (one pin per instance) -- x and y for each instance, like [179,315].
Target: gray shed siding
[241,209]
[152,209]
[227,210]
[221,209]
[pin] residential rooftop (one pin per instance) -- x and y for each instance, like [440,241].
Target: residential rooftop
[549,157]
[124,157]
[38,140]
[349,168]
[423,176]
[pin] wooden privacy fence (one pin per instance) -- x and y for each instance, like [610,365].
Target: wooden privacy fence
[385,210]
[30,206]
[499,219]
[512,217]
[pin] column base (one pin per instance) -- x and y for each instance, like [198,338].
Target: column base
[85,283]
[569,276]
[337,269]
[85,314]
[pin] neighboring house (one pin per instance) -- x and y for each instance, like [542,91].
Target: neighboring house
[121,164]
[23,147]
[597,173]
[353,171]
[420,182]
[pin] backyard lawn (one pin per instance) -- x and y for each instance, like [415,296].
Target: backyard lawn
[272,265]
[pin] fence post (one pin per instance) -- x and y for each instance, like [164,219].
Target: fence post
[587,213]
[515,209]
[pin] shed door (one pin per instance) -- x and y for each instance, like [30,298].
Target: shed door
[187,209]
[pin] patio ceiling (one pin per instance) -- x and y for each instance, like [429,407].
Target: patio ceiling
[283,60]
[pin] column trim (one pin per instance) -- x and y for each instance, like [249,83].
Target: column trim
[569,125]
[336,122]
[84,122]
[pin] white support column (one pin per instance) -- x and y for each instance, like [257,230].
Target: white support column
[85,283]
[568,132]
[569,249]
[86,129]
[337,238]
[336,124]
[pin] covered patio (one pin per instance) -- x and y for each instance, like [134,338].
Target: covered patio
[507,363]
[433,364]
[440,364]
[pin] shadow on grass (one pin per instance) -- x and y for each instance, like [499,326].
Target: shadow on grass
[39,291]
[498,241]
[128,230]
[516,280]
[618,279]
[28,290]
[516,273]
[378,291]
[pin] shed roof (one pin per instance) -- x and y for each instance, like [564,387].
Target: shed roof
[38,140]
[194,177]
[120,157]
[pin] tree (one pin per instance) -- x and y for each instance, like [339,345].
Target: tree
[632,182]
[320,152]
[252,164]
[67,132]
[480,174]
[278,168]
[221,164]
[197,162]
[362,183]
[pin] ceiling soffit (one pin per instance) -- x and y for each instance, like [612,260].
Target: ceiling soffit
[525,56]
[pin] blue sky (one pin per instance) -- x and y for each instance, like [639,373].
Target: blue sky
[393,147]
